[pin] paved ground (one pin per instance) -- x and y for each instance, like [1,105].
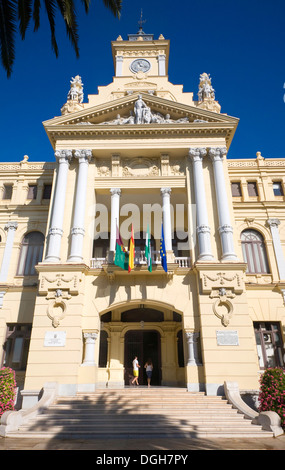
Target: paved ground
[155,445]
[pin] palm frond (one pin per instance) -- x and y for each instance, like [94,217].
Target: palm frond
[68,12]
[24,15]
[115,6]
[50,9]
[36,14]
[86,4]
[7,34]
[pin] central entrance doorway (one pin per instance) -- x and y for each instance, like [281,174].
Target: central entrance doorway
[144,344]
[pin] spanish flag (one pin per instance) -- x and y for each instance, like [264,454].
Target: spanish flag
[132,251]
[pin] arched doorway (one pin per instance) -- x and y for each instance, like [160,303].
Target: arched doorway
[143,344]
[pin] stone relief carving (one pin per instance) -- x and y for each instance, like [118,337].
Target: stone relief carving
[223,286]
[177,168]
[103,168]
[58,289]
[142,114]
[56,310]
[223,307]
[221,279]
[140,166]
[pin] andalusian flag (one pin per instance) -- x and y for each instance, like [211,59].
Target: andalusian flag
[148,251]
[132,251]
[121,256]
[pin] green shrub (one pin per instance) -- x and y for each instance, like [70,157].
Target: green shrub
[272,392]
[7,389]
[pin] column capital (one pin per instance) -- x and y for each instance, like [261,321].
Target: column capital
[90,336]
[217,153]
[11,225]
[197,153]
[273,222]
[115,191]
[63,156]
[164,191]
[83,155]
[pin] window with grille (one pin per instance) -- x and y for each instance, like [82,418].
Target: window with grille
[236,189]
[252,189]
[32,191]
[254,252]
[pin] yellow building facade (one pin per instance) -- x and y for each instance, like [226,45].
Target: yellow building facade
[141,154]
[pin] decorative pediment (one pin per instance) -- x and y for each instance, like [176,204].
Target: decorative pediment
[140,113]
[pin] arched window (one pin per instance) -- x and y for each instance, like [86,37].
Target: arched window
[31,253]
[254,252]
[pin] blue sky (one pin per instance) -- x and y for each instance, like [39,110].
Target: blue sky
[239,43]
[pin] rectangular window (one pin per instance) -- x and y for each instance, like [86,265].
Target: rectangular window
[16,346]
[32,191]
[236,189]
[8,189]
[252,189]
[47,191]
[269,344]
[277,189]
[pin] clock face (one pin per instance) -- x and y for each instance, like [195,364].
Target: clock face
[140,65]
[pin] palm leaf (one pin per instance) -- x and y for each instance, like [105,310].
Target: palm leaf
[115,6]
[7,34]
[24,15]
[36,14]
[67,10]
[50,9]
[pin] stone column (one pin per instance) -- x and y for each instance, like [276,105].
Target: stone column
[11,228]
[192,346]
[78,231]
[225,228]
[203,229]
[119,65]
[55,231]
[273,224]
[166,217]
[89,356]
[161,64]
[115,215]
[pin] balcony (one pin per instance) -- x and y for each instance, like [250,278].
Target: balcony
[182,261]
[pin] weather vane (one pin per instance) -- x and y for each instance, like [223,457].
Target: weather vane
[141,22]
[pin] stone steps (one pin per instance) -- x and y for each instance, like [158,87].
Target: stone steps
[140,413]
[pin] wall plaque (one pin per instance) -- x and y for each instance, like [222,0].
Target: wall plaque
[227,338]
[54,339]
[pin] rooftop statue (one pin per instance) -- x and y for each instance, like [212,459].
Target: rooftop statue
[76,89]
[206,91]
[206,94]
[74,97]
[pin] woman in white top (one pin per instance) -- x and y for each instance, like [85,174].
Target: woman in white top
[135,370]
[148,367]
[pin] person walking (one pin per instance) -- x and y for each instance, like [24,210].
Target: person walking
[135,371]
[149,368]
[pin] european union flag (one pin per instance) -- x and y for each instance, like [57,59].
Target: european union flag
[162,251]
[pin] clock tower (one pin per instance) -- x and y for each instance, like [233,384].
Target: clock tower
[140,56]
